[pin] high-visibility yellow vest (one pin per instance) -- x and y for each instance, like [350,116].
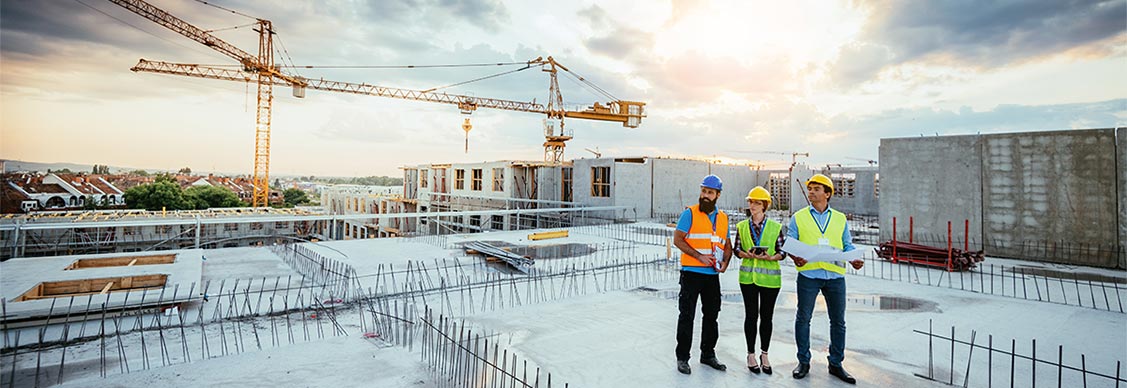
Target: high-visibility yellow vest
[704,238]
[809,233]
[764,273]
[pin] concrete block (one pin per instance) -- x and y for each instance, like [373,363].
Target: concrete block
[1049,196]
[933,180]
[1121,166]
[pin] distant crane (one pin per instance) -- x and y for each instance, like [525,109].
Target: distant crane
[871,162]
[262,70]
[793,155]
[595,151]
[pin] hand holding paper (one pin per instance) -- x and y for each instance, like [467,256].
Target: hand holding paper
[814,253]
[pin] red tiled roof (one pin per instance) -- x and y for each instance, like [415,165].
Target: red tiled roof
[80,183]
[11,199]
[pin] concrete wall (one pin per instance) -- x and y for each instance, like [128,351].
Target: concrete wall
[1121,165]
[1049,196]
[548,181]
[676,185]
[933,180]
[799,174]
[738,180]
[1044,196]
[634,186]
[581,181]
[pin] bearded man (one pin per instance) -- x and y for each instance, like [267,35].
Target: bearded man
[702,237]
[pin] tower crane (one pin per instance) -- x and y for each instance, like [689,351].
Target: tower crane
[262,70]
[871,162]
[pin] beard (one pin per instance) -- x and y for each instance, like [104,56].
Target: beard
[706,205]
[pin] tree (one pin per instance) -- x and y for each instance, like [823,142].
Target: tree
[185,171]
[139,172]
[163,193]
[204,197]
[100,169]
[294,197]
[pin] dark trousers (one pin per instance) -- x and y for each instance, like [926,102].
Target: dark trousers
[707,288]
[834,293]
[759,305]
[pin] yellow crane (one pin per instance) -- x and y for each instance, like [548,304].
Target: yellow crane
[262,70]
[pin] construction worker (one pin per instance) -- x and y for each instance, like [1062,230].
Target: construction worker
[702,237]
[817,224]
[759,243]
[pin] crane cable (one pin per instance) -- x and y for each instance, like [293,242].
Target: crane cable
[526,67]
[226,9]
[407,66]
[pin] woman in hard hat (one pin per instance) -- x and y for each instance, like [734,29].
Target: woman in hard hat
[758,242]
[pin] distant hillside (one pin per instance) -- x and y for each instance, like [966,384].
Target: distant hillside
[19,165]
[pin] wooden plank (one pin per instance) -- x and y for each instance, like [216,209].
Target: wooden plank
[548,235]
[131,263]
[106,288]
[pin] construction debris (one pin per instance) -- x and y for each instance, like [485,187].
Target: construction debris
[955,260]
[521,263]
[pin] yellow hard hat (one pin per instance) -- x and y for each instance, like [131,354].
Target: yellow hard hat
[822,179]
[760,194]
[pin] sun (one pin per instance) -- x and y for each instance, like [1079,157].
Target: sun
[751,31]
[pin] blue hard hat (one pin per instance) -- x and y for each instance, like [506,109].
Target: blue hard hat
[713,182]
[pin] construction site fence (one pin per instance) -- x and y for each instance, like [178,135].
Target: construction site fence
[1068,287]
[254,314]
[967,359]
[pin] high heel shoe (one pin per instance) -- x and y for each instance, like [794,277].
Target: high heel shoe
[751,365]
[766,366]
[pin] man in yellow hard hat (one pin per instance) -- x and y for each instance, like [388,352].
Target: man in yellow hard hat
[818,224]
[759,243]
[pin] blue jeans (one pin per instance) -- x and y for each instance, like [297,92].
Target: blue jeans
[833,291]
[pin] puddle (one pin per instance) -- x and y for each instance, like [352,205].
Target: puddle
[1067,275]
[853,302]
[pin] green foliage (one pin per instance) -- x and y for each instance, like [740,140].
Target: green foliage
[186,171]
[94,204]
[139,172]
[63,171]
[163,193]
[204,197]
[294,197]
[100,169]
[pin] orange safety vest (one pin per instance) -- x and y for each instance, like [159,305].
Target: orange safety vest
[704,238]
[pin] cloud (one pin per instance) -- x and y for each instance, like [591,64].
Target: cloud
[978,35]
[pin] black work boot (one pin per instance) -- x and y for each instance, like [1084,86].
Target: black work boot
[840,373]
[683,367]
[714,363]
[800,371]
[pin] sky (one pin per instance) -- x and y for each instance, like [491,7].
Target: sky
[736,81]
